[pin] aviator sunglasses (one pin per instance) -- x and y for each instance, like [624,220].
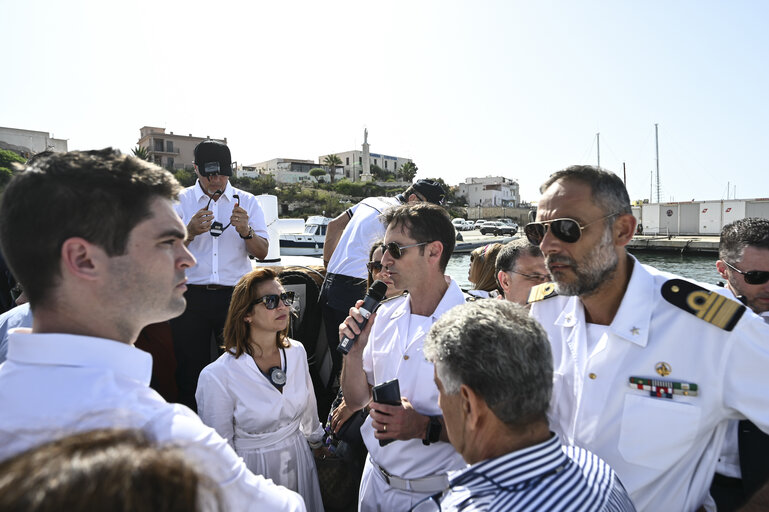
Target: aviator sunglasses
[566,230]
[396,251]
[751,276]
[271,301]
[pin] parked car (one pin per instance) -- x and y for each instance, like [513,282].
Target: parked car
[498,229]
[460,224]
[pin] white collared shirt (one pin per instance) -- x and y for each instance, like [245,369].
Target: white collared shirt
[224,259]
[53,385]
[391,353]
[663,449]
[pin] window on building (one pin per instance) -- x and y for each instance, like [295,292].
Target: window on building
[347,161]
[360,159]
[375,162]
[170,164]
[158,144]
[385,164]
[169,146]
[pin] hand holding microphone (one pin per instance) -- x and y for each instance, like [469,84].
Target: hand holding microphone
[374,296]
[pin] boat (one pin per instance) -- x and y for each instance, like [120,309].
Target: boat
[309,242]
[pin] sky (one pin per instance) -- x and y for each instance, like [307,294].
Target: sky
[509,88]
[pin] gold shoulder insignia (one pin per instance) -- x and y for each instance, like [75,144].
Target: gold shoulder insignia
[710,306]
[541,292]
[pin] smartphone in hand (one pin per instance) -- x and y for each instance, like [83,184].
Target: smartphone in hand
[387,393]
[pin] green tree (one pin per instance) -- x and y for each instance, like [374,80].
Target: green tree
[7,157]
[184,176]
[317,173]
[331,161]
[141,152]
[408,171]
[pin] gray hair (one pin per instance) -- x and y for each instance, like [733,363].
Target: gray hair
[511,251]
[608,190]
[752,231]
[496,349]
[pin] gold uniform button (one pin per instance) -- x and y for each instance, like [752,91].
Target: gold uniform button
[406,357]
[592,376]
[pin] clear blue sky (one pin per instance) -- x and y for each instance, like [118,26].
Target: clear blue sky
[511,88]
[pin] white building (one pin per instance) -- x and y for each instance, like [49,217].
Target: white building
[286,170]
[490,191]
[170,150]
[352,162]
[30,142]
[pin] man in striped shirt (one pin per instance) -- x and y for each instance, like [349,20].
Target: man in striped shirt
[494,372]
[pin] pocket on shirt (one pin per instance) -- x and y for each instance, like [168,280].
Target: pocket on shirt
[657,432]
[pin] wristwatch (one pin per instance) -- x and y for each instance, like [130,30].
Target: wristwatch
[250,234]
[433,433]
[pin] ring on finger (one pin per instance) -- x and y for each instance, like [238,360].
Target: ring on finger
[384,428]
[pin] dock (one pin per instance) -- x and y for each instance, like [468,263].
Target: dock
[694,244]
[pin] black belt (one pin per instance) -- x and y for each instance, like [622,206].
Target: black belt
[727,482]
[210,287]
[345,280]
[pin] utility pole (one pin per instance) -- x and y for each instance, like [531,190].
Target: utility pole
[598,147]
[657,145]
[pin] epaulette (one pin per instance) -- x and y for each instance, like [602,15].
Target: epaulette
[710,306]
[541,292]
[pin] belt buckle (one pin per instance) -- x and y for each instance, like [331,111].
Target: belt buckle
[212,287]
[385,474]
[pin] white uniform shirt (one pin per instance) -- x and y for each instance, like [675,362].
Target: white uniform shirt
[53,385]
[390,354]
[363,229]
[224,259]
[664,450]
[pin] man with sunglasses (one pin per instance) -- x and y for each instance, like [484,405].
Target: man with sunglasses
[107,258]
[494,370]
[419,240]
[520,266]
[743,262]
[224,226]
[345,253]
[649,367]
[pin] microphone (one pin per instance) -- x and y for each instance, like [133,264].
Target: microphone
[370,302]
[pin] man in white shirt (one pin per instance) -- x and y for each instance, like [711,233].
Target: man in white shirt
[107,258]
[224,226]
[419,241]
[520,266]
[345,252]
[648,367]
[743,262]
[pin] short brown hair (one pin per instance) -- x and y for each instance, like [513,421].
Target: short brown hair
[425,222]
[97,195]
[110,469]
[242,302]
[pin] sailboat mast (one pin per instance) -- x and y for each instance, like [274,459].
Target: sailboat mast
[598,147]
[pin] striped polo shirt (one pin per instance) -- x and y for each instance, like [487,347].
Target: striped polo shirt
[546,476]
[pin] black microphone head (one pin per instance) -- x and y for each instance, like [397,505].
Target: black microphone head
[377,290]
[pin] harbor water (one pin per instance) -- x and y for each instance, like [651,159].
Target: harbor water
[692,266]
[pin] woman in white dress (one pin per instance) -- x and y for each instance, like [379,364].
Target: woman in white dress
[258,395]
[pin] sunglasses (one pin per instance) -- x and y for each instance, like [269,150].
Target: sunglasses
[271,301]
[751,276]
[396,251]
[566,230]
[374,266]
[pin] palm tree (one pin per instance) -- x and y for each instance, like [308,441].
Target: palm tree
[141,152]
[408,171]
[331,161]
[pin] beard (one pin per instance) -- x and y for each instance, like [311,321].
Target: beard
[597,267]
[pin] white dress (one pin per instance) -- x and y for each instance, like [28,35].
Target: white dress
[269,429]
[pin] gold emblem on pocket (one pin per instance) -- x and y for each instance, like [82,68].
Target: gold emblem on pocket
[663,368]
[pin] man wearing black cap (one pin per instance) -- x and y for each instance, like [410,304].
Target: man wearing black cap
[345,253]
[224,226]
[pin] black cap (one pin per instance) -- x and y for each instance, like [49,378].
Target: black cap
[430,190]
[212,158]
